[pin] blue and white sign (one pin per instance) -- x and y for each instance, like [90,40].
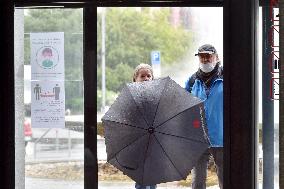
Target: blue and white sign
[156,63]
[155,57]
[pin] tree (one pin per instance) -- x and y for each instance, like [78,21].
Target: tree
[132,35]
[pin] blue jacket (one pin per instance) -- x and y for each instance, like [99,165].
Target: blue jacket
[213,105]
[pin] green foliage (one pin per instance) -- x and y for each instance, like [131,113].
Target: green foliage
[110,98]
[74,96]
[53,20]
[130,38]
[76,105]
[115,78]
[100,129]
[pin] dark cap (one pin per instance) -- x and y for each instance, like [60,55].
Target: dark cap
[207,48]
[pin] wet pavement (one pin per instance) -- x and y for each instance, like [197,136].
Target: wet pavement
[130,185]
[32,183]
[44,183]
[37,183]
[101,149]
[47,152]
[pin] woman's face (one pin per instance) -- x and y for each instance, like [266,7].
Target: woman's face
[144,74]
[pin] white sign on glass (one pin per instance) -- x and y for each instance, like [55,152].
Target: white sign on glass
[48,104]
[47,80]
[47,56]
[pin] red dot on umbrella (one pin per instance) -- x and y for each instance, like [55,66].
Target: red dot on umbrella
[196,123]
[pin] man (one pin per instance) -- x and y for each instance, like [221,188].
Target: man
[207,84]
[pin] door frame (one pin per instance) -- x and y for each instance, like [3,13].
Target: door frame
[239,76]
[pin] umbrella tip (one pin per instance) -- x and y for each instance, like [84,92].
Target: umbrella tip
[151,130]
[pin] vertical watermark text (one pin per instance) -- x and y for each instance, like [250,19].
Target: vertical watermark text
[273,39]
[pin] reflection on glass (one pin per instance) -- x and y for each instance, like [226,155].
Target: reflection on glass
[137,35]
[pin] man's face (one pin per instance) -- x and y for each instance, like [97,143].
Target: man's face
[205,58]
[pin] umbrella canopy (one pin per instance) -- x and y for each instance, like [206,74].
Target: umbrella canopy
[155,131]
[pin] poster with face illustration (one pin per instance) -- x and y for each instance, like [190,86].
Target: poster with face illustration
[47,80]
[47,56]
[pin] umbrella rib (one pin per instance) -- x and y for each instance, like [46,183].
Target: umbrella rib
[175,116]
[127,124]
[145,158]
[159,103]
[168,156]
[138,108]
[130,143]
[191,139]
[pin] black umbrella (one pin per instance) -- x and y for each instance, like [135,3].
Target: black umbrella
[155,131]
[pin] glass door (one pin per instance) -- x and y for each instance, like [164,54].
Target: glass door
[128,36]
[49,100]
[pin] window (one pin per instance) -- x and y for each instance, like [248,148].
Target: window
[50,98]
[132,35]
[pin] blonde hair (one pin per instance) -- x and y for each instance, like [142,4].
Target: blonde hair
[141,66]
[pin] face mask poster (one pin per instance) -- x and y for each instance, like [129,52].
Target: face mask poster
[47,80]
